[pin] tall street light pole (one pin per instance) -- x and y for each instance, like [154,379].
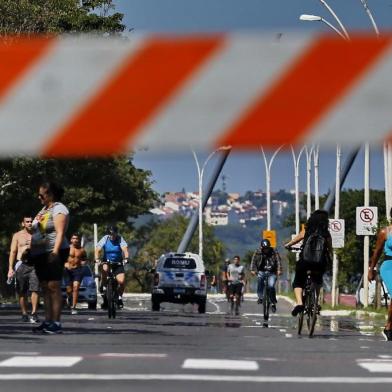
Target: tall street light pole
[296,161]
[332,12]
[200,172]
[316,18]
[308,154]
[335,263]
[366,239]
[268,166]
[316,151]
[372,20]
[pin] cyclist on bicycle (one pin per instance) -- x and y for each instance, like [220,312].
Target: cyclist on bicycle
[224,278]
[115,252]
[266,262]
[317,225]
[236,276]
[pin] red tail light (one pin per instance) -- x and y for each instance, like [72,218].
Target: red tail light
[156,279]
[202,281]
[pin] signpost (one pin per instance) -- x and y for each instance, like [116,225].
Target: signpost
[336,228]
[366,223]
[367,220]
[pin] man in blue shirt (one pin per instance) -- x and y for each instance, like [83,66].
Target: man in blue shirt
[115,251]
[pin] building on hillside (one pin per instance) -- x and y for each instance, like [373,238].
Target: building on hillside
[279,207]
[216,218]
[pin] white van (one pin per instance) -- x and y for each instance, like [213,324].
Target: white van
[179,278]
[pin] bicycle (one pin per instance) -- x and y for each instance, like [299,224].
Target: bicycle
[112,290]
[266,298]
[310,298]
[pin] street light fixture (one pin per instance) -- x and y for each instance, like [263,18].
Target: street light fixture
[200,172]
[316,18]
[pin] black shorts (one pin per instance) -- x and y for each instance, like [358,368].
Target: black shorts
[50,271]
[73,275]
[26,279]
[117,268]
[235,288]
[301,270]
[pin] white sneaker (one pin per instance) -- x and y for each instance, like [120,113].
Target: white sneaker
[74,311]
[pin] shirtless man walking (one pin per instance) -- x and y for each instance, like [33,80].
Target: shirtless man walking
[74,270]
[26,277]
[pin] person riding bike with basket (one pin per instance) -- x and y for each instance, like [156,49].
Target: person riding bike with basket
[115,252]
[315,255]
[266,262]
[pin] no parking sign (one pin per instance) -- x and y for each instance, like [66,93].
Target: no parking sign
[336,228]
[367,219]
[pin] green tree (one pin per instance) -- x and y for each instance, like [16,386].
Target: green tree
[96,191]
[25,17]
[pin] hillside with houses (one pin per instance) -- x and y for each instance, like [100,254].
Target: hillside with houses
[238,219]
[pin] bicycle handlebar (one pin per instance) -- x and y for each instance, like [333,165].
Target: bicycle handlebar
[293,248]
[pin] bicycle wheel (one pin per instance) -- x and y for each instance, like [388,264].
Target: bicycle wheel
[301,317]
[111,300]
[232,305]
[266,302]
[313,311]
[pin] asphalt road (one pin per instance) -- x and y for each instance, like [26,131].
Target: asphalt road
[178,349]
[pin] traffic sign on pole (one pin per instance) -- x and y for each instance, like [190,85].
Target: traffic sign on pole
[271,236]
[367,219]
[336,228]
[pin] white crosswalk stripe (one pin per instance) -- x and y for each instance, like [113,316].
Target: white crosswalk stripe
[376,365]
[219,364]
[40,361]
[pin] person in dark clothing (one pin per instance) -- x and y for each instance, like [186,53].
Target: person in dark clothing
[317,224]
[266,262]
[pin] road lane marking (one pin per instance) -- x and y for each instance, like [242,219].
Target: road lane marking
[289,335]
[132,355]
[194,377]
[216,306]
[252,326]
[219,364]
[266,359]
[376,365]
[40,361]
[282,330]
[23,353]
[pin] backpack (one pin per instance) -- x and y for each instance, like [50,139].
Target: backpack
[314,249]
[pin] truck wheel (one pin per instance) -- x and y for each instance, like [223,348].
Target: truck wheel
[202,306]
[156,306]
[92,305]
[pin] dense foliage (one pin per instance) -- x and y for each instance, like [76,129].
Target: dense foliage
[25,17]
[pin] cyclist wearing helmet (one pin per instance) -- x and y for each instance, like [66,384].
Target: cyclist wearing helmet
[266,262]
[115,250]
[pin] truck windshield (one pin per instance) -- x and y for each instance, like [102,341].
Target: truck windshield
[178,262]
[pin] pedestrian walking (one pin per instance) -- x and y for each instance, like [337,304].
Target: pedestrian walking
[24,271]
[49,252]
[74,271]
[384,244]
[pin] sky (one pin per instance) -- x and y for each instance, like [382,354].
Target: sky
[245,170]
